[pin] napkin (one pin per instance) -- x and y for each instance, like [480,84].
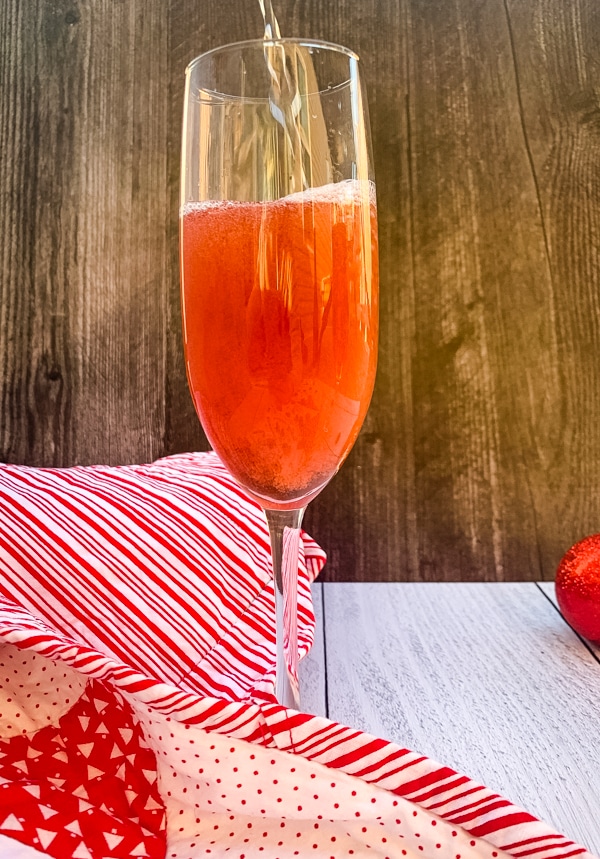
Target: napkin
[137,714]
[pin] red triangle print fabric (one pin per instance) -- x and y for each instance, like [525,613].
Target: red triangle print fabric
[137,716]
[84,783]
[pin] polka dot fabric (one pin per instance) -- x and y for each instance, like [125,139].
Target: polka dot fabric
[136,692]
[229,798]
[35,692]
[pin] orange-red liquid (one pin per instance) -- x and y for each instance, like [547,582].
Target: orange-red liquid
[280,326]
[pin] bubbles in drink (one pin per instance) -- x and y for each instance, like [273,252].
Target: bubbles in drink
[280,306]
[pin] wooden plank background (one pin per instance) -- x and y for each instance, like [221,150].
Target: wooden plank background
[480,457]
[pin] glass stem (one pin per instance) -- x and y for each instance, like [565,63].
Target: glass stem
[284,528]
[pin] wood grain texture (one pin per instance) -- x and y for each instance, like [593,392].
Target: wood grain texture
[481,318]
[548,589]
[313,682]
[487,679]
[479,458]
[557,67]
[83,233]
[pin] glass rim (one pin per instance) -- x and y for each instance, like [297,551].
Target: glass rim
[306,43]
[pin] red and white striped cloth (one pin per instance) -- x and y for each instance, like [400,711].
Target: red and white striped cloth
[138,718]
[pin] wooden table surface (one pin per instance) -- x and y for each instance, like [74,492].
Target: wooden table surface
[486,678]
[480,456]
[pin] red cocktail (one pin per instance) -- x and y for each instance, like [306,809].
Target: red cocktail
[279,275]
[280,322]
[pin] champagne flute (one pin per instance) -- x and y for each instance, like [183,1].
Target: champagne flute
[279,277]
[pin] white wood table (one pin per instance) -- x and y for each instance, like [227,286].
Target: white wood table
[485,678]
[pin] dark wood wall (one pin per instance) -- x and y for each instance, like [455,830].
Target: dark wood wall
[480,457]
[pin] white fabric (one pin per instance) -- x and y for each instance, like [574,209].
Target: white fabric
[229,798]
[11,849]
[34,691]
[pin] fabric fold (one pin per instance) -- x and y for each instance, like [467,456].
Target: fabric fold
[152,584]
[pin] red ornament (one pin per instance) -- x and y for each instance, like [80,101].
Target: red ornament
[578,587]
